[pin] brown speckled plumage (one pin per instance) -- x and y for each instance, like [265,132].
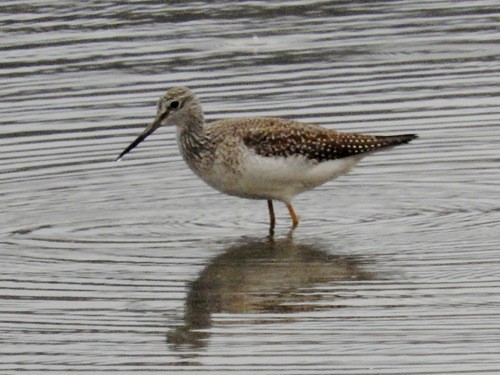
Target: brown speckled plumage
[261,158]
[275,137]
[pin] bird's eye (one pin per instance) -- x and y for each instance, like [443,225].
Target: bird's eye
[174,104]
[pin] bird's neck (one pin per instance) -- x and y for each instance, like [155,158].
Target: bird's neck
[192,141]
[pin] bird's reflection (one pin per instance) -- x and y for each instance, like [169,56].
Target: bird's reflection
[259,276]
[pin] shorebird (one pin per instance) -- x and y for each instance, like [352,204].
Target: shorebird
[261,158]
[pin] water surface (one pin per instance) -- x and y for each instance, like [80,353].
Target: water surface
[138,266]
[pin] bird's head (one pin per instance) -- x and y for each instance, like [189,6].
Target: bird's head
[179,106]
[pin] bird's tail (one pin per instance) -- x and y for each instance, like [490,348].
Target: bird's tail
[395,140]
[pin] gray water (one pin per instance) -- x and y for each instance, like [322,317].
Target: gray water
[138,267]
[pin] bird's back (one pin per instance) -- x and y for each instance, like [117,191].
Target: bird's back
[276,137]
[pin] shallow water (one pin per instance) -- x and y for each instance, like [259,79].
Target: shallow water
[138,266]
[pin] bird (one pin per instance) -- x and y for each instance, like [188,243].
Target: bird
[266,158]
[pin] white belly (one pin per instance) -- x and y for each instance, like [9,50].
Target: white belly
[277,178]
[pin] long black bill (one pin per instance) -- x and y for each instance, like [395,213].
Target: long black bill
[138,140]
[149,129]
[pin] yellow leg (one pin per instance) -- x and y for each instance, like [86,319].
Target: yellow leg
[271,216]
[295,219]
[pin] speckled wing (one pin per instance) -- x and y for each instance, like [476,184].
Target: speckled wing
[284,138]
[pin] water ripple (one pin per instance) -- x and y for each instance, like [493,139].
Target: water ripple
[137,265]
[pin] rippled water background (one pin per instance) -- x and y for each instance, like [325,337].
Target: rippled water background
[139,267]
